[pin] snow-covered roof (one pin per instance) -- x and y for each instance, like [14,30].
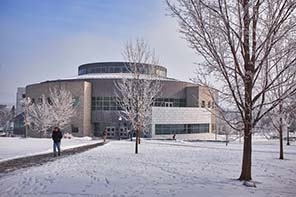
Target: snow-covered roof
[114,76]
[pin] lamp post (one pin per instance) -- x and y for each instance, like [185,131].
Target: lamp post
[120,119]
[288,140]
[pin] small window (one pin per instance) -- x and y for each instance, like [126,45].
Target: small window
[40,100]
[209,104]
[168,104]
[75,101]
[74,129]
[203,104]
[49,101]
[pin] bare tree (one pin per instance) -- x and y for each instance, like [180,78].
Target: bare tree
[280,114]
[229,124]
[136,92]
[238,41]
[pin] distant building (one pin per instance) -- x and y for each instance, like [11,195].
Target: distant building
[20,94]
[182,108]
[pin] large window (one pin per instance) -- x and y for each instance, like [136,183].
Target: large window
[109,103]
[166,129]
[169,102]
[106,103]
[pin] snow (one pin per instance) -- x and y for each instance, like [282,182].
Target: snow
[114,76]
[162,168]
[19,147]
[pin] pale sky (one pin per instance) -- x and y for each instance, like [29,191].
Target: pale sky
[48,39]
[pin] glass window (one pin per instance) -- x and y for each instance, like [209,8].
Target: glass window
[169,102]
[167,129]
[75,101]
[105,103]
[117,70]
[203,104]
[74,129]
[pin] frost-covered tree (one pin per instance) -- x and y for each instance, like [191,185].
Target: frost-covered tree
[136,92]
[239,40]
[280,115]
[56,110]
[62,104]
[229,123]
[37,116]
[5,117]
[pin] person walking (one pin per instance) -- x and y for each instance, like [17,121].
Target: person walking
[56,137]
[174,136]
[105,135]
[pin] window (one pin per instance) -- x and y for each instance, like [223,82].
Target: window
[203,104]
[209,104]
[117,70]
[110,131]
[168,104]
[104,103]
[49,101]
[96,126]
[74,129]
[75,101]
[82,71]
[40,100]
[168,129]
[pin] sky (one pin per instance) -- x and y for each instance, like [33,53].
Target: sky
[48,39]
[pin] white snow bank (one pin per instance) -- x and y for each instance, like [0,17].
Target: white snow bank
[11,148]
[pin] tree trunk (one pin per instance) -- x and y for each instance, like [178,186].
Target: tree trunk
[247,157]
[26,131]
[248,83]
[137,141]
[281,143]
[281,132]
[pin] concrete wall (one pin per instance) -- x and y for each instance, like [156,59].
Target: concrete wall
[192,96]
[87,93]
[207,96]
[179,115]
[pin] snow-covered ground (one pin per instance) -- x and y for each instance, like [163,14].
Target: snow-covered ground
[18,147]
[160,169]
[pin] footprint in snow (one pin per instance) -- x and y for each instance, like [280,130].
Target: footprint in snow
[107,181]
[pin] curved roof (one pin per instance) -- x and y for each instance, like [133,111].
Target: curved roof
[121,67]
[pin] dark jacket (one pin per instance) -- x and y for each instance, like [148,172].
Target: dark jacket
[56,136]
